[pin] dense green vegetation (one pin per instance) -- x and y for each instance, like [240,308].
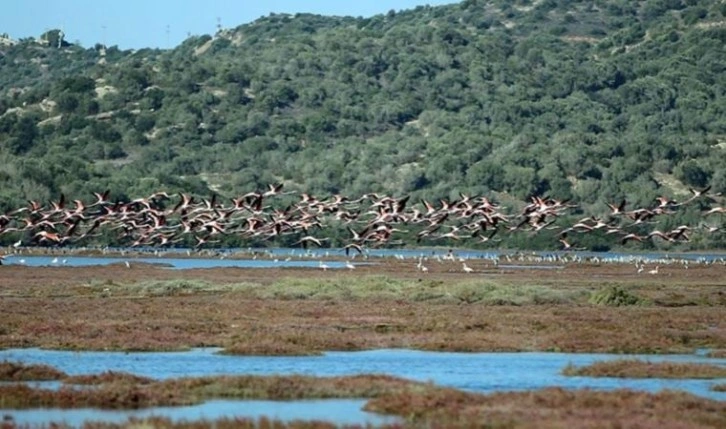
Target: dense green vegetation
[590,100]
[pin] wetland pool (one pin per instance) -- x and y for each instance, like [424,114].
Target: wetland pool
[477,372]
[338,411]
[298,258]
[172,263]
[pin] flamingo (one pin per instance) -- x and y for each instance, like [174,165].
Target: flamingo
[720,210]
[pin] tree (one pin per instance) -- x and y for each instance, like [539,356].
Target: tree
[691,173]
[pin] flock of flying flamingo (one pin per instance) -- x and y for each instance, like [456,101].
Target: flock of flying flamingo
[372,220]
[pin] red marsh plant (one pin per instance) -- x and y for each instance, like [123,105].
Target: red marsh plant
[106,396]
[184,391]
[270,326]
[14,371]
[388,305]
[552,408]
[633,368]
[285,387]
[223,423]
[107,377]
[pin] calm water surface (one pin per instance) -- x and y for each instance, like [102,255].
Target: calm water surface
[298,258]
[174,263]
[478,372]
[339,411]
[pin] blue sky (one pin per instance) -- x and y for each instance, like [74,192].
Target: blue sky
[134,24]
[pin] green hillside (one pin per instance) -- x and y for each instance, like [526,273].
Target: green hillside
[593,101]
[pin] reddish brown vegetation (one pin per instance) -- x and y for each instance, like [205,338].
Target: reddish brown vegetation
[98,308]
[106,378]
[235,423]
[12,371]
[632,368]
[554,408]
[116,395]
[422,405]
[125,393]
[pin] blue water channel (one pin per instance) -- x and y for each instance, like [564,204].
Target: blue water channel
[298,258]
[477,372]
[174,263]
[338,411]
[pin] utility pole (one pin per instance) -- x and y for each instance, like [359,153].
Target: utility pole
[103,36]
[219,25]
[167,36]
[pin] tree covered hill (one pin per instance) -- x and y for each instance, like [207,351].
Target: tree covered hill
[590,100]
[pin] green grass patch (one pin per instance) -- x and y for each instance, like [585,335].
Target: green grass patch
[364,288]
[497,294]
[615,296]
[177,287]
[381,288]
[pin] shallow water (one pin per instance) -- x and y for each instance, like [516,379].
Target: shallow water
[175,263]
[311,258]
[478,372]
[339,411]
[296,258]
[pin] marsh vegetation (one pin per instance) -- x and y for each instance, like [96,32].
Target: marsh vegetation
[419,404]
[389,304]
[632,368]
